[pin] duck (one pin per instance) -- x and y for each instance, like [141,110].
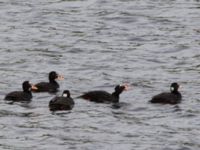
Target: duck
[101,96]
[64,102]
[172,97]
[25,95]
[52,86]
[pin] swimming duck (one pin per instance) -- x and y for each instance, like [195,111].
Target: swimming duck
[103,96]
[51,86]
[24,95]
[64,102]
[173,97]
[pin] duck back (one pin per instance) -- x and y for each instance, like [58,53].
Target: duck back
[61,103]
[46,87]
[167,98]
[98,96]
[18,96]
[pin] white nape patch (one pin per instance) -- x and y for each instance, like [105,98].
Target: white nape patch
[172,88]
[64,95]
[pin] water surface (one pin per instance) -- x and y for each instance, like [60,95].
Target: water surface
[97,44]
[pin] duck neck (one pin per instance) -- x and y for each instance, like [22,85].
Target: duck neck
[175,92]
[116,95]
[28,92]
[53,82]
[68,95]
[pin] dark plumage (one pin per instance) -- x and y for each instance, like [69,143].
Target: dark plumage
[51,86]
[103,96]
[64,102]
[24,95]
[174,97]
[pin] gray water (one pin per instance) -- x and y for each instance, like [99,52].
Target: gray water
[97,44]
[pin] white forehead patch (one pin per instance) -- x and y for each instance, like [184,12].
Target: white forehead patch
[64,95]
[172,88]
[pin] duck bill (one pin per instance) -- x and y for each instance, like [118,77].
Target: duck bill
[126,87]
[33,87]
[60,77]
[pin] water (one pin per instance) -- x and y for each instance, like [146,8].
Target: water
[97,44]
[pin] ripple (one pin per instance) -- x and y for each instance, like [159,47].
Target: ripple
[97,45]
